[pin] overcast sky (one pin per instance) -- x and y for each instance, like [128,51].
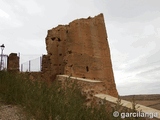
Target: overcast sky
[133,28]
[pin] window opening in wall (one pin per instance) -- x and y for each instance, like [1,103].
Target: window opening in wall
[87,68]
[59,39]
[53,38]
[70,51]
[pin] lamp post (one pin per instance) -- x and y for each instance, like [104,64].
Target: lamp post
[2,48]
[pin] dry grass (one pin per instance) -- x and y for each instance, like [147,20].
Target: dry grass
[50,102]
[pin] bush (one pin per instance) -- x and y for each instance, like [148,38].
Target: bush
[51,102]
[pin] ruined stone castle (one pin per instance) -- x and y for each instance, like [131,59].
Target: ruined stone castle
[80,49]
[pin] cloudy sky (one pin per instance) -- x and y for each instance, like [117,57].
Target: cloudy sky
[133,28]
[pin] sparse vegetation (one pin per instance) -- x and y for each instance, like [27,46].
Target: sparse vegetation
[51,102]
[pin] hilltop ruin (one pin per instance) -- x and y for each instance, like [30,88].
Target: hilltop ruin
[80,49]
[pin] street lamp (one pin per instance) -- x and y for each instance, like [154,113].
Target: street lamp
[2,48]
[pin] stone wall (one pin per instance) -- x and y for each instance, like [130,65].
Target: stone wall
[80,49]
[47,74]
[13,62]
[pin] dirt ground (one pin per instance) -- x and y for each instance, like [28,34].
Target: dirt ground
[152,101]
[12,112]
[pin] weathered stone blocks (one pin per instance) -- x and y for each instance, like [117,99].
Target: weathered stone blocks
[13,62]
[80,49]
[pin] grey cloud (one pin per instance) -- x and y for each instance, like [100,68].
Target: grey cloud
[149,61]
[133,88]
[146,41]
[126,11]
[150,74]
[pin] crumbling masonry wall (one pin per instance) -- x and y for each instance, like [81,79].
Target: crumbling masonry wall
[13,62]
[80,49]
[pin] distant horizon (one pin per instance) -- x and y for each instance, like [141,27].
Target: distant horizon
[138,94]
